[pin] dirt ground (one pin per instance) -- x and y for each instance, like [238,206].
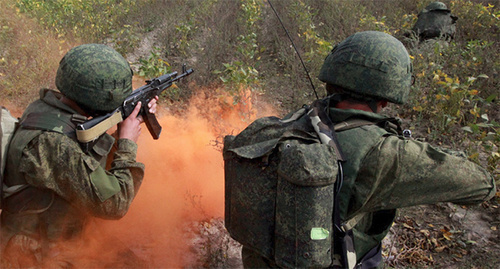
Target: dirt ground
[430,236]
[443,235]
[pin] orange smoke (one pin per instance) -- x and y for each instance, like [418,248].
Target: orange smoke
[184,180]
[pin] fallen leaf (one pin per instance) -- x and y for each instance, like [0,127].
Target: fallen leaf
[439,249]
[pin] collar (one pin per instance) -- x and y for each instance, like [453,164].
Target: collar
[53,98]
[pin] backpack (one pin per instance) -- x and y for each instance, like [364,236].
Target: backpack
[8,126]
[281,180]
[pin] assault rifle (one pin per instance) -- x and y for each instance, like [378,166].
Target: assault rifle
[90,130]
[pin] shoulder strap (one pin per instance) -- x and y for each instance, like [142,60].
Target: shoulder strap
[391,125]
[1,140]
[1,159]
[324,127]
[53,122]
[348,225]
[350,124]
[8,125]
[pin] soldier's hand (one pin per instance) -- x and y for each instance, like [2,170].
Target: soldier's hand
[130,128]
[152,105]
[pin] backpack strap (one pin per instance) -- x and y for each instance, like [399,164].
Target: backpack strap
[8,125]
[348,225]
[391,125]
[1,155]
[324,127]
[350,124]
[344,254]
[54,122]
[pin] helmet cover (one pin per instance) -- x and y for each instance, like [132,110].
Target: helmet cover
[95,76]
[372,64]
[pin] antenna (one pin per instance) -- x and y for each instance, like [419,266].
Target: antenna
[295,48]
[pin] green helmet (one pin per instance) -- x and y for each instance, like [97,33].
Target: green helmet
[372,64]
[95,76]
[435,6]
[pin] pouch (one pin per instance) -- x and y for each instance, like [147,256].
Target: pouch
[304,205]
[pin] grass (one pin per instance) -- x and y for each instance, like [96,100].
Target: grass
[456,89]
[453,102]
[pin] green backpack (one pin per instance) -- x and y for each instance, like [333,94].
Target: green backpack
[8,125]
[281,180]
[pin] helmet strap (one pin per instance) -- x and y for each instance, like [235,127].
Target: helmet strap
[373,105]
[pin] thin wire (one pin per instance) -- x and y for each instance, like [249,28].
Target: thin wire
[295,48]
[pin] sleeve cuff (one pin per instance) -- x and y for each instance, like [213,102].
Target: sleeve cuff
[127,146]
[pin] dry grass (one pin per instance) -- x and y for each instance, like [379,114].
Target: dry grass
[30,58]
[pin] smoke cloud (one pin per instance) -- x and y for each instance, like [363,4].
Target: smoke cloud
[184,179]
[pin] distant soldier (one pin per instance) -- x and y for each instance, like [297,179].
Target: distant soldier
[435,21]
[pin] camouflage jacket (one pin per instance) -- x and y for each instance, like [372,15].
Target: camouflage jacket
[385,171]
[66,187]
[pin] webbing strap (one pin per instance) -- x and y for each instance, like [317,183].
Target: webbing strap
[8,125]
[1,153]
[91,134]
[1,140]
[53,122]
[295,115]
[350,124]
[348,225]
[324,127]
[8,191]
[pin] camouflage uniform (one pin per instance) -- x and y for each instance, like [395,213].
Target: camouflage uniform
[435,21]
[385,171]
[62,187]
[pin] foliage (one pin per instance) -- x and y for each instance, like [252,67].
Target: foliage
[316,44]
[370,22]
[242,72]
[26,56]
[477,20]
[456,83]
[153,65]
[453,102]
[101,18]
[185,29]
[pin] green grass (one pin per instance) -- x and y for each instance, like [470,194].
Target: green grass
[454,100]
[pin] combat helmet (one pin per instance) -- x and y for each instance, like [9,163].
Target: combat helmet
[95,76]
[436,6]
[371,64]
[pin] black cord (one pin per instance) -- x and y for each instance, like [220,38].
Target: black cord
[294,47]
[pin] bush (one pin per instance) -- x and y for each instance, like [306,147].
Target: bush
[456,83]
